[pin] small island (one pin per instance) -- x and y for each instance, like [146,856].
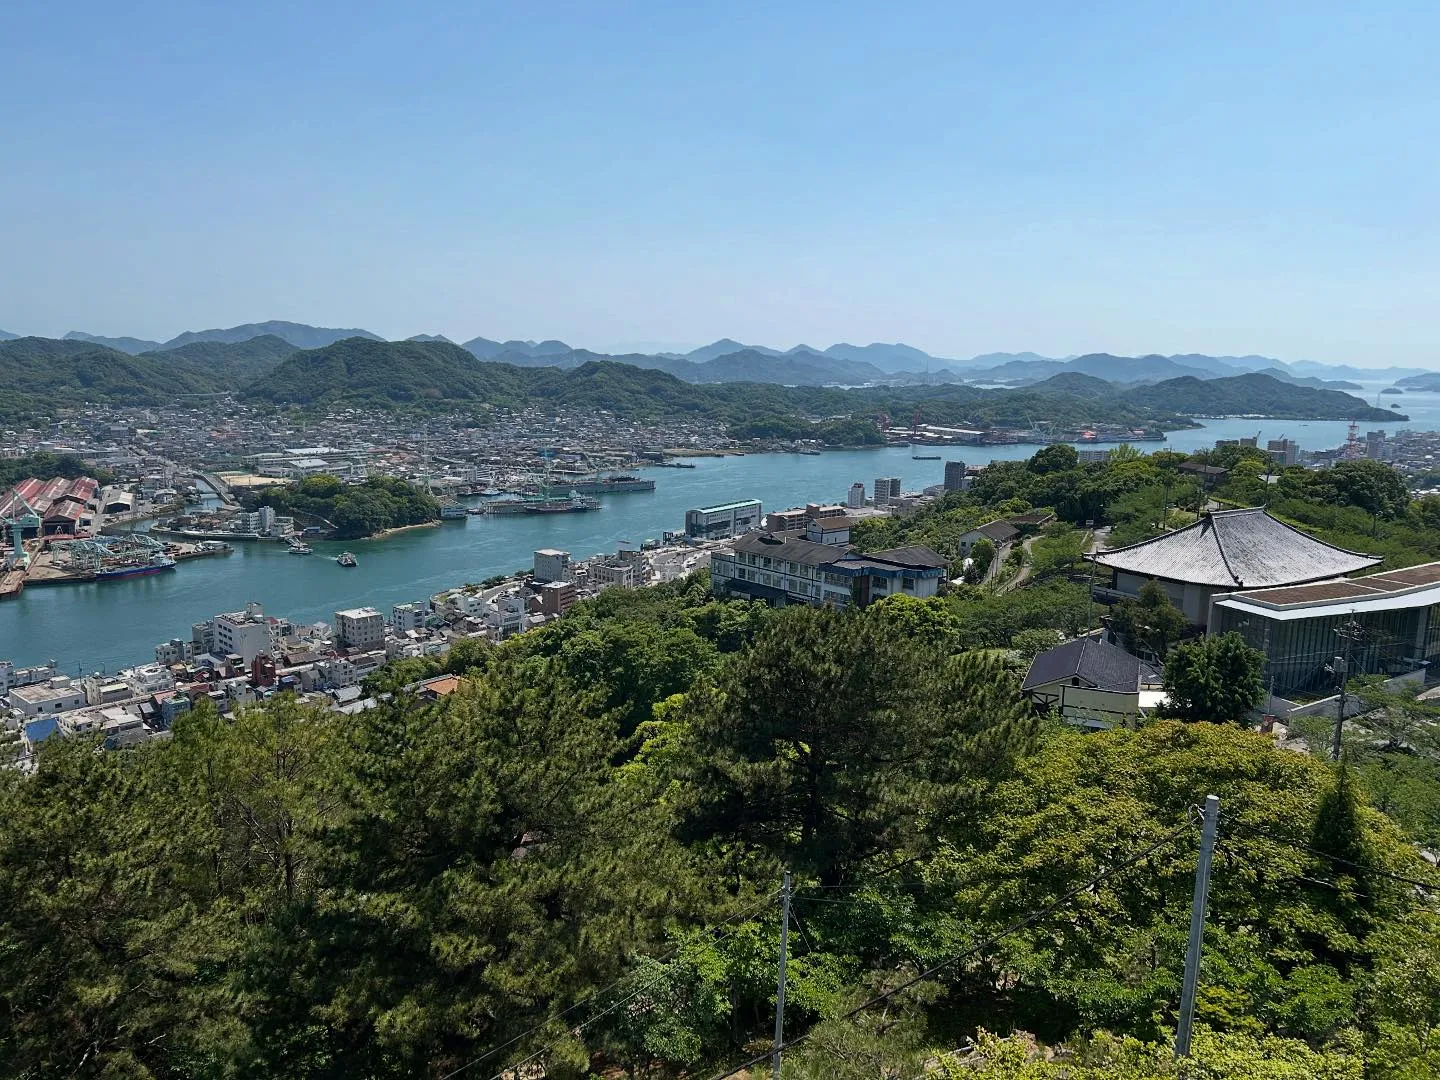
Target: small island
[1392,390]
[375,506]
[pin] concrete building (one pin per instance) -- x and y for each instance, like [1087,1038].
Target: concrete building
[11,676]
[1092,683]
[726,520]
[557,597]
[886,488]
[782,571]
[245,634]
[551,564]
[407,617]
[1224,552]
[1284,451]
[829,530]
[1392,621]
[174,651]
[955,476]
[607,574]
[1375,447]
[856,499]
[359,628]
[55,695]
[1092,455]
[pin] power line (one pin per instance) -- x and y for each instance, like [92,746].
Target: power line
[1019,924]
[746,911]
[1364,868]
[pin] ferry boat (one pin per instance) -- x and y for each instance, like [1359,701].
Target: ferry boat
[345,559]
[156,564]
[300,549]
[924,457]
[612,485]
[453,511]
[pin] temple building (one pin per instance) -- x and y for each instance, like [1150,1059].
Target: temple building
[1224,552]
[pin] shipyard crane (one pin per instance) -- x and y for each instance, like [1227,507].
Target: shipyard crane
[19,515]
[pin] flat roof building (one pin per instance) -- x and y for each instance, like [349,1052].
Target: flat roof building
[1392,622]
[725,520]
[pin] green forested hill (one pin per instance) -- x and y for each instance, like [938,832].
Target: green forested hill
[228,364]
[361,371]
[1254,395]
[45,372]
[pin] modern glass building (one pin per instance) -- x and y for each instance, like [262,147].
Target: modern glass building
[1390,623]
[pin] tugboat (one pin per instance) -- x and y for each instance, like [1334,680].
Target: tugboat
[345,559]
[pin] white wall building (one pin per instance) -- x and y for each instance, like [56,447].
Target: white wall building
[245,634]
[56,695]
[856,499]
[407,617]
[360,628]
[551,564]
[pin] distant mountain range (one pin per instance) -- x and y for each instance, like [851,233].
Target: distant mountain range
[297,334]
[732,388]
[841,364]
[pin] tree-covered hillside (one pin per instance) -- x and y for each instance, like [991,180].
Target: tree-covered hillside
[43,373]
[1254,395]
[232,365]
[353,510]
[570,866]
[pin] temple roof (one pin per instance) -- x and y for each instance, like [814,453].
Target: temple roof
[1234,549]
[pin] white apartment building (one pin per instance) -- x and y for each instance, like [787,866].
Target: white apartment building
[56,695]
[245,634]
[407,617]
[11,676]
[856,499]
[174,651]
[551,564]
[360,628]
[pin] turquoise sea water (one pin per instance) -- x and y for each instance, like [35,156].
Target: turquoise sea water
[114,624]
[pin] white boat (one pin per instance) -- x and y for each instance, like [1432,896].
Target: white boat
[345,559]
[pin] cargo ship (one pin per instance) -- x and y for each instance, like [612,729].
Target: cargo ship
[156,564]
[577,504]
[612,485]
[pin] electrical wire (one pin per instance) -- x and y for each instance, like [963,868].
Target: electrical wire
[1362,867]
[1019,924]
[743,912]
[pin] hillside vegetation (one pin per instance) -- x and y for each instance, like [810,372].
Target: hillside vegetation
[353,510]
[1254,394]
[228,364]
[570,867]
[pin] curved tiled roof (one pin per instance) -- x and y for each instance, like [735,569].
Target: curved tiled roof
[1235,549]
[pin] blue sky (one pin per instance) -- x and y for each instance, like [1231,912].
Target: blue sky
[964,177]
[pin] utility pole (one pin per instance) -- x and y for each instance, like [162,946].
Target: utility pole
[1197,925]
[1350,632]
[780,990]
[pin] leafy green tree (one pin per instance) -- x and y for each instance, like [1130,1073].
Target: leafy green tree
[1215,679]
[814,747]
[1057,457]
[1149,623]
[982,554]
[1373,486]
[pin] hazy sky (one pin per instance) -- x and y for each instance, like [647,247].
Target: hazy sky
[1059,177]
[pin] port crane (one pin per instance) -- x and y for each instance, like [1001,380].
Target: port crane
[19,515]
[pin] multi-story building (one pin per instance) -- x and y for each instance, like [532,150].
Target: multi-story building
[360,628]
[720,522]
[1284,451]
[606,574]
[557,597]
[782,571]
[1375,447]
[11,676]
[886,488]
[856,499]
[174,651]
[407,617]
[955,476]
[245,634]
[551,564]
